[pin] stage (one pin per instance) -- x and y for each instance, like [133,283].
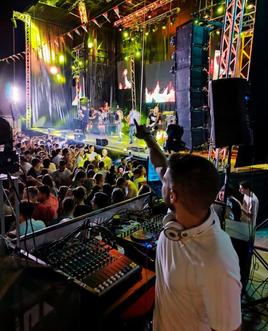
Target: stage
[123,147]
[138,148]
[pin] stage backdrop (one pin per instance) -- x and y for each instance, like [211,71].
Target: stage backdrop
[50,77]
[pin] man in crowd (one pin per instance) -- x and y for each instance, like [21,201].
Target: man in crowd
[250,204]
[27,223]
[106,159]
[40,211]
[197,270]
[62,176]
[48,199]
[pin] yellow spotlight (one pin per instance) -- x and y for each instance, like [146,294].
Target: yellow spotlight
[125,34]
[220,10]
[61,59]
[90,44]
[53,70]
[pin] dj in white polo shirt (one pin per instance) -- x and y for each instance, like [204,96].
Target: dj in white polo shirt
[197,269]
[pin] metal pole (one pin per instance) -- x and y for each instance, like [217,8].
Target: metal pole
[2,216]
[142,68]
[17,211]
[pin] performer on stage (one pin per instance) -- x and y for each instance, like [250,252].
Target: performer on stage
[133,115]
[118,121]
[95,122]
[154,119]
[85,118]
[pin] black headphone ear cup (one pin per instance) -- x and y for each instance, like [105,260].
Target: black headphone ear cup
[172,233]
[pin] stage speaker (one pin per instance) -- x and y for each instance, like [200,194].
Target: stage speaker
[191,83]
[101,142]
[230,113]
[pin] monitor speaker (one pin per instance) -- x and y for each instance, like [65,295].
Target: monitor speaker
[230,113]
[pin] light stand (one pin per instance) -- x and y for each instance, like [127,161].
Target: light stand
[2,216]
[226,185]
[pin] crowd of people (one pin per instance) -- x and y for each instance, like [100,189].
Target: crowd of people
[59,181]
[196,263]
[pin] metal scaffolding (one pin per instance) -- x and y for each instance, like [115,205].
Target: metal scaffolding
[26,18]
[233,23]
[246,43]
[133,82]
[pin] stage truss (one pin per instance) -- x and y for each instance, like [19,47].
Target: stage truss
[26,18]
[230,42]
[133,82]
[246,43]
[236,50]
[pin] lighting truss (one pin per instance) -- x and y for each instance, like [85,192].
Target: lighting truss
[133,82]
[139,14]
[83,12]
[26,18]
[233,22]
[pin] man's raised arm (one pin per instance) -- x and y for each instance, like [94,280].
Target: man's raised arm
[157,156]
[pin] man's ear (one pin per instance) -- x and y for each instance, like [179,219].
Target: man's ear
[173,196]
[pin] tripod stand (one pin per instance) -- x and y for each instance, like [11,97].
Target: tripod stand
[259,257]
[16,212]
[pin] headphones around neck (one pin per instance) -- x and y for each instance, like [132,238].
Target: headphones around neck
[172,230]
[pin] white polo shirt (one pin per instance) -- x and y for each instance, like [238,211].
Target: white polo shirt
[197,280]
[251,205]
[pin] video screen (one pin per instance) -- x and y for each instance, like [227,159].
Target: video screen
[123,75]
[160,86]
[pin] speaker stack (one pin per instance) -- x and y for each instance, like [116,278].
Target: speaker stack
[191,83]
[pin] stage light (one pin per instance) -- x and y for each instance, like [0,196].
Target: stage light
[146,33]
[90,44]
[15,94]
[126,58]
[138,54]
[250,4]
[218,32]
[119,29]
[53,70]
[125,34]
[60,79]
[220,10]
[206,15]
[164,27]
[196,21]
[80,63]
[61,59]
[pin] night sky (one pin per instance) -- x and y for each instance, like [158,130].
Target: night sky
[6,26]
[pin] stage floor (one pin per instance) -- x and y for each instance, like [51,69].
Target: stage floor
[138,148]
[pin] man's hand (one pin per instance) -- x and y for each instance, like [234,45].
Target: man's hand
[143,132]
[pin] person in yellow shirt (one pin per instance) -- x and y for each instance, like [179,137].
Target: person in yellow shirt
[106,159]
